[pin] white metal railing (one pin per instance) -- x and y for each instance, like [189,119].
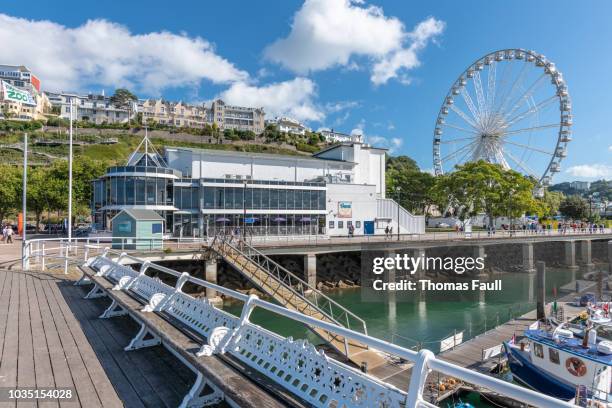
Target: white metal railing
[407,223]
[295,364]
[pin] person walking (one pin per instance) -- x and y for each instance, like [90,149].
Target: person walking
[387,232]
[9,235]
[4,228]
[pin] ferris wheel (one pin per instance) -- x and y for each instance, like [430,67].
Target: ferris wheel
[510,107]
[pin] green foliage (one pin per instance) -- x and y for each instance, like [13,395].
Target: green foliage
[550,203]
[20,126]
[122,98]
[305,147]
[399,164]
[478,187]
[415,186]
[574,207]
[10,190]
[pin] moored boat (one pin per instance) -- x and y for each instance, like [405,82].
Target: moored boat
[557,363]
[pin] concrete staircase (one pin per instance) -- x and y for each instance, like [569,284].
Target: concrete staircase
[295,294]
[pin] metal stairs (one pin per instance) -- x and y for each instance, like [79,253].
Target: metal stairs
[294,293]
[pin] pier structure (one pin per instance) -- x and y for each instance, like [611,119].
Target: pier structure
[134,289]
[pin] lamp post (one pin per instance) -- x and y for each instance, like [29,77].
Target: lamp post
[24,196]
[399,197]
[244,191]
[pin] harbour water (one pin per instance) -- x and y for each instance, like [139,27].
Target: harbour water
[410,321]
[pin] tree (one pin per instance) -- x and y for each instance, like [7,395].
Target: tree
[10,189]
[478,187]
[550,203]
[123,98]
[415,189]
[401,164]
[574,207]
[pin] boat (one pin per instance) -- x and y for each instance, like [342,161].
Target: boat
[558,363]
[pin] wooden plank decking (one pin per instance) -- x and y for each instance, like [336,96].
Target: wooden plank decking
[50,337]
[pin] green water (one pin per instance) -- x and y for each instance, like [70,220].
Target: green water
[433,317]
[427,320]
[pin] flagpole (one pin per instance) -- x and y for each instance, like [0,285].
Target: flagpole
[24,223]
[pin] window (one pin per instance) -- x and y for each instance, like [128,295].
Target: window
[538,351]
[124,226]
[357,224]
[553,355]
[331,225]
[348,224]
[156,228]
[340,224]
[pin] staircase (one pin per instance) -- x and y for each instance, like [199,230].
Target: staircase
[295,294]
[387,208]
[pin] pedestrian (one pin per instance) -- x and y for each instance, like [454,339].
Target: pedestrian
[4,229]
[390,232]
[9,235]
[387,232]
[351,231]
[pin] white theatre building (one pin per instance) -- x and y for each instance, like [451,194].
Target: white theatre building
[199,192]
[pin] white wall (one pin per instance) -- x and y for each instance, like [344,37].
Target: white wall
[363,200]
[218,165]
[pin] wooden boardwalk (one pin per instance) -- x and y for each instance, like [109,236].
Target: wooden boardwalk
[50,337]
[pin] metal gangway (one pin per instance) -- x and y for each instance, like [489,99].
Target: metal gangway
[296,294]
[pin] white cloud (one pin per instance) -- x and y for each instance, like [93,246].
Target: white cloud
[591,171]
[405,59]
[333,107]
[103,53]
[329,33]
[610,148]
[294,98]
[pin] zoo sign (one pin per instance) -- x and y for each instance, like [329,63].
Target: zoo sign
[17,95]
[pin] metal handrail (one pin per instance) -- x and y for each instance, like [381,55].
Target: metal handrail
[297,285]
[424,361]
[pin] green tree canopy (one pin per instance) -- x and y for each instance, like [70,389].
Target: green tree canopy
[574,207]
[482,187]
[122,98]
[10,190]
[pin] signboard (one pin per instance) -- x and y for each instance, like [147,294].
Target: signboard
[35,82]
[492,352]
[451,342]
[17,95]
[345,209]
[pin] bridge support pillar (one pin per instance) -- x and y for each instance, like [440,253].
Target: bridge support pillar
[310,269]
[420,271]
[528,265]
[585,254]
[570,254]
[479,252]
[541,291]
[210,274]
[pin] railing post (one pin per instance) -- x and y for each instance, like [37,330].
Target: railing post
[42,262]
[418,378]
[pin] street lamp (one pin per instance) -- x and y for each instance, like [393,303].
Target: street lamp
[399,198]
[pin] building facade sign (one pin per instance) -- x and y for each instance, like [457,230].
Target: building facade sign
[345,209]
[17,95]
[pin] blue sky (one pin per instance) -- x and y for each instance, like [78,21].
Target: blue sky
[383,67]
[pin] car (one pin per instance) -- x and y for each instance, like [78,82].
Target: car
[442,225]
[587,298]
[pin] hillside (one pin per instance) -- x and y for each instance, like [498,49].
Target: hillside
[114,147]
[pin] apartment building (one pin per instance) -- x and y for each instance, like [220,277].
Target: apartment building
[20,96]
[289,125]
[92,108]
[177,114]
[237,117]
[331,136]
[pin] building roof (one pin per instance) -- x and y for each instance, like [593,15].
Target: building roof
[337,145]
[258,155]
[141,215]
